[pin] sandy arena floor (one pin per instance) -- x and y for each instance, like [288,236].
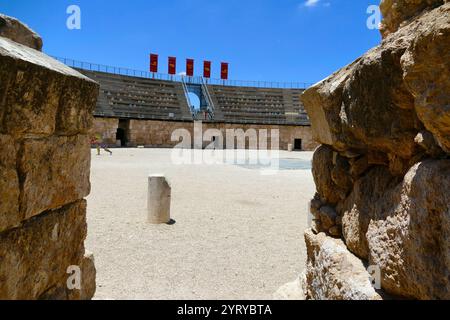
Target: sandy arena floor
[238,233]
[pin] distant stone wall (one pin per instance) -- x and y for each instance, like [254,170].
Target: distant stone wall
[106,128]
[153,133]
[45,115]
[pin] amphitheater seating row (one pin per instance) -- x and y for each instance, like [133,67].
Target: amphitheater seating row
[266,105]
[141,98]
[138,98]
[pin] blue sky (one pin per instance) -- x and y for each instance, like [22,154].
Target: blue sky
[276,40]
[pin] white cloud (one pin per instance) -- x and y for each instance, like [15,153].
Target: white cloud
[182,74]
[311,3]
[314,3]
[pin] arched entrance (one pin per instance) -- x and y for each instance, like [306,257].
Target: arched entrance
[199,100]
[195,101]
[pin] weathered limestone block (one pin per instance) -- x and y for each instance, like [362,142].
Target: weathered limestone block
[343,116]
[404,228]
[333,273]
[327,217]
[41,95]
[88,283]
[347,113]
[335,231]
[88,272]
[331,174]
[397,165]
[17,31]
[377,158]
[316,226]
[409,236]
[55,171]
[358,166]
[45,114]
[340,174]
[320,102]
[427,141]
[35,258]
[9,184]
[426,66]
[359,208]
[292,291]
[315,206]
[396,12]
[322,166]
[388,113]
[76,105]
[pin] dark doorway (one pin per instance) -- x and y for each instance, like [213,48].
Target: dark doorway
[120,135]
[298,145]
[122,132]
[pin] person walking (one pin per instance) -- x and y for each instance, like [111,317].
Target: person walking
[97,142]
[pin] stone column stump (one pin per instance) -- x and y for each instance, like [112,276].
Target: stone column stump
[158,199]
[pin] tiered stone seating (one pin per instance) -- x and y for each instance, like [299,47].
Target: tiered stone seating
[138,98]
[141,98]
[259,105]
[295,107]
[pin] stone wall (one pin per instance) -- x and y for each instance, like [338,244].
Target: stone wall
[106,129]
[152,133]
[383,170]
[45,115]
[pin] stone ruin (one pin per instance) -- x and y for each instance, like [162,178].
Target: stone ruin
[382,208]
[45,114]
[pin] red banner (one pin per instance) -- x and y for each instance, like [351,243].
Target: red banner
[207,69]
[172,65]
[190,67]
[153,63]
[224,71]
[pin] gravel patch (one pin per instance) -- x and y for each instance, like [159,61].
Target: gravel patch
[238,233]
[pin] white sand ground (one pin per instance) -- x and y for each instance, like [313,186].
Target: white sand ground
[239,234]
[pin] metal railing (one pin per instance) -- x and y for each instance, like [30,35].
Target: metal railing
[188,99]
[209,100]
[89,66]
